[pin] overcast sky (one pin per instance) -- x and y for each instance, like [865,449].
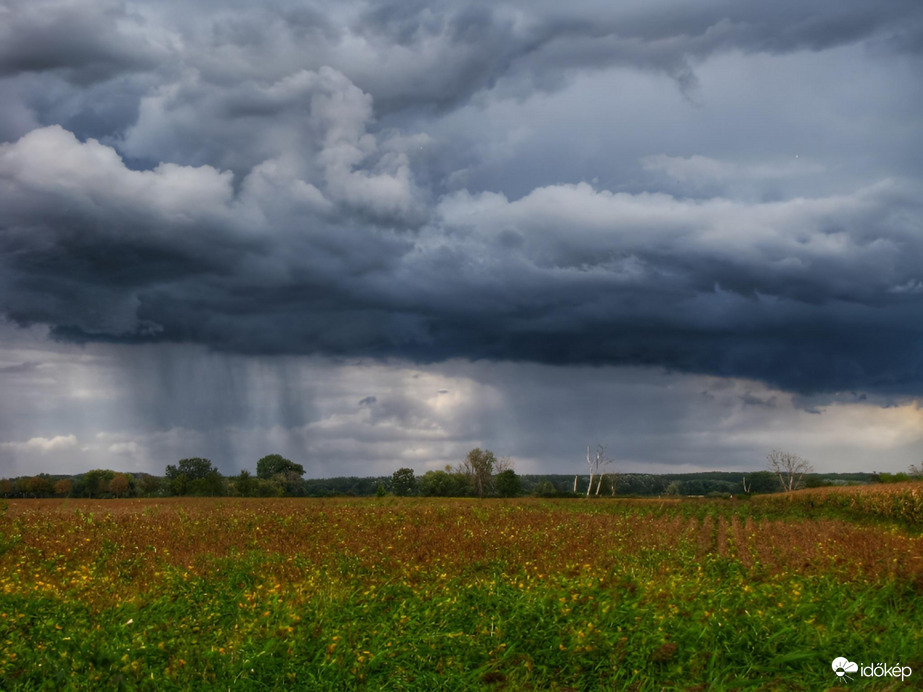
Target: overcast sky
[373,235]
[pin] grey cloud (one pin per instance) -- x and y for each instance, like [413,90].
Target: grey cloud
[18,368]
[749,399]
[472,49]
[309,129]
[336,180]
[84,42]
[799,293]
[429,55]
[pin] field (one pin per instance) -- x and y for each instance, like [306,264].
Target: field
[417,594]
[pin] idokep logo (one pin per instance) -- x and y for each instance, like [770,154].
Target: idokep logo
[843,666]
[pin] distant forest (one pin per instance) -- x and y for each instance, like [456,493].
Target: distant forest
[197,477]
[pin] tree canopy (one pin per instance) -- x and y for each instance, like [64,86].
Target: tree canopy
[508,483]
[194,476]
[274,464]
[403,482]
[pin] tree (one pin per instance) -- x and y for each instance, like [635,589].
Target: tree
[508,483]
[290,482]
[93,483]
[790,468]
[194,476]
[675,488]
[479,467]
[274,464]
[403,482]
[762,482]
[596,462]
[63,487]
[544,489]
[502,464]
[243,483]
[119,485]
[39,485]
[148,484]
[608,483]
[444,484]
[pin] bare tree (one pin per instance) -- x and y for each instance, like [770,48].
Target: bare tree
[613,482]
[790,468]
[503,464]
[596,462]
[747,486]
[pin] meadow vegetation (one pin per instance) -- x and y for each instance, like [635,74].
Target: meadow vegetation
[421,593]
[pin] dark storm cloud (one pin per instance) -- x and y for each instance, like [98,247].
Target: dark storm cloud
[408,55]
[271,178]
[82,41]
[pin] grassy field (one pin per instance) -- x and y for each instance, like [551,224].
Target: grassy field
[415,594]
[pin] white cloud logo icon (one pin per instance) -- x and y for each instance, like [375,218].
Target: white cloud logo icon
[841,666]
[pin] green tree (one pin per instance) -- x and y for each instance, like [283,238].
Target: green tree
[403,482]
[274,464]
[479,467]
[93,483]
[444,484]
[148,484]
[675,488]
[508,483]
[544,489]
[244,484]
[194,476]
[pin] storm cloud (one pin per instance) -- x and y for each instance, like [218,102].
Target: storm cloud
[722,189]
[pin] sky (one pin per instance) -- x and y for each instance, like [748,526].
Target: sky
[369,235]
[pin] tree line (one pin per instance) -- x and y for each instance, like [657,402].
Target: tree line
[479,474]
[195,476]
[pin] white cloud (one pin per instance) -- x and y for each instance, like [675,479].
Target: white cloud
[52,161]
[130,448]
[699,168]
[58,443]
[308,126]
